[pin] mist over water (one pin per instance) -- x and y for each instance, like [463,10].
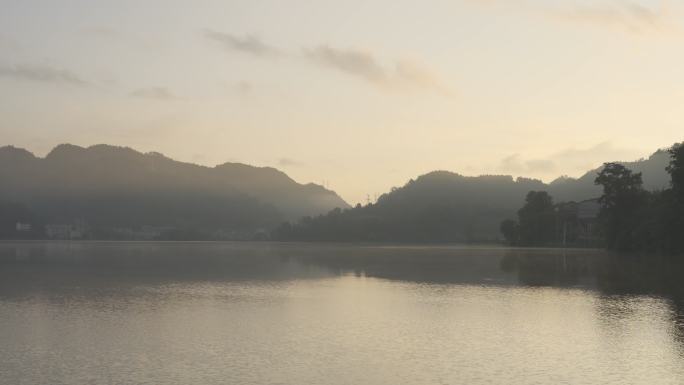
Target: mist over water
[269,313]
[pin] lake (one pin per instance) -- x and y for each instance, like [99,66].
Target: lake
[268,313]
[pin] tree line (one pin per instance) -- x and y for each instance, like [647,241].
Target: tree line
[630,217]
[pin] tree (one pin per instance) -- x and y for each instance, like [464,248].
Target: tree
[676,169]
[622,204]
[673,214]
[510,230]
[537,219]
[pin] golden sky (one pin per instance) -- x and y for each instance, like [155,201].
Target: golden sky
[360,95]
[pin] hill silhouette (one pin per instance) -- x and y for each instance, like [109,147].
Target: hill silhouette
[653,170]
[117,187]
[443,206]
[110,186]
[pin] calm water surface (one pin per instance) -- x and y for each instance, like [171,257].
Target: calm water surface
[240,313]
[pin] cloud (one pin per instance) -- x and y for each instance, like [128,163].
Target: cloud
[353,62]
[243,88]
[412,74]
[43,74]
[248,44]
[511,163]
[288,162]
[516,165]
[570,160]
[364,65]
[541,165]
[159,93]
[628,15]
[625,15]
[402,74]
[599,153]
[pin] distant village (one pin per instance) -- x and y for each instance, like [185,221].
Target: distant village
[577,226]
[80,230]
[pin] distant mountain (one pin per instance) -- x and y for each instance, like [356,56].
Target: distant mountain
[111,186]
[447,207]
[653,173]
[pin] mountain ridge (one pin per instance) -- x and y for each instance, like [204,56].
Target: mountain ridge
[79,182]
[444,206]
[131,188]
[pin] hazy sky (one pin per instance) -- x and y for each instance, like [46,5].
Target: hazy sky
[360,94]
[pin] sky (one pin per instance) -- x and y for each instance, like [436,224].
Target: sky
[358,95]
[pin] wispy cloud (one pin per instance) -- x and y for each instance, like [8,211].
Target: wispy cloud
[601,152]
[288,162]
[159,93]
[248,44]
[622,15]
[364,65]
[517,165]
[353,62]
[43,74]
[570,160]
[627,15]
[412,74]
[243,88]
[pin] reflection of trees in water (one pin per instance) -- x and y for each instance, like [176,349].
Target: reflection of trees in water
[98,268]
[612,275]
[678,320]
[45,267]
[641,275]
[440,264]
[549,267]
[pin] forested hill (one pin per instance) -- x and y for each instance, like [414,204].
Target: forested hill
[653,172]
[117,186]
[442,206]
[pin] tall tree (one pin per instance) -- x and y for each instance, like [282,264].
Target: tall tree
[676,169]
[673,216]
[511,231]
[622,203]
[537,219]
